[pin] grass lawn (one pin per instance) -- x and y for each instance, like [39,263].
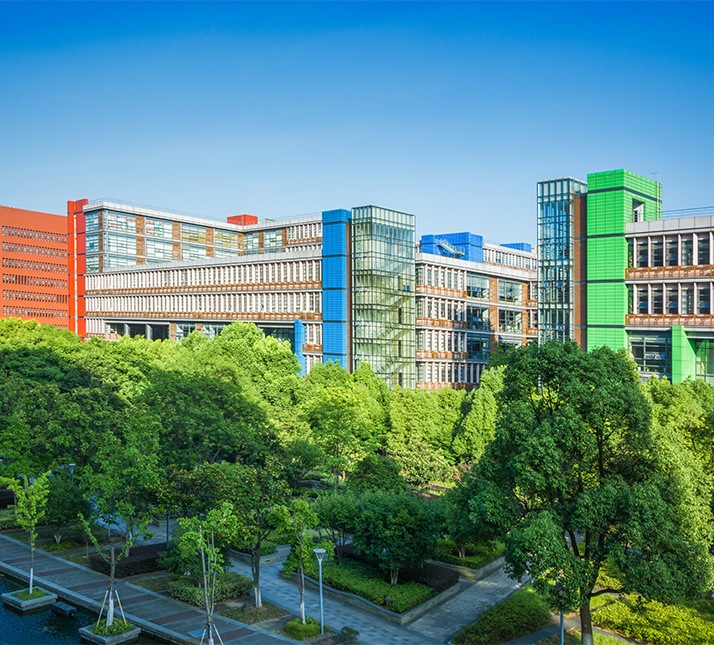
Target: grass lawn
[156,583]
[573,638]
[77,558]
[653,622]
[251,614]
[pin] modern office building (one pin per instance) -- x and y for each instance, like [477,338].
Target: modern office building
[559,204]
[347,285]
[641,282]
[34,266]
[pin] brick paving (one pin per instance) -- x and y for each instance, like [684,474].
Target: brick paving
[163,617]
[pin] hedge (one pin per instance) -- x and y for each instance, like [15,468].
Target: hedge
[523,613]
[141,559]
[229,585]
[431,574]
[368,582]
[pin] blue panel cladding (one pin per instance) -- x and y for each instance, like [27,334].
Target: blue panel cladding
[520,246]
[463,246]
[335,269]
[299,328]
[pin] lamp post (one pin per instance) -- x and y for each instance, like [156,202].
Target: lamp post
[71,471]
[320,554]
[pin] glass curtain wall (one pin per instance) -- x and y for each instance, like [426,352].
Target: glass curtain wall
[555,255]
[383,303]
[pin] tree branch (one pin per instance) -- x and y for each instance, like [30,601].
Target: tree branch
[599,592]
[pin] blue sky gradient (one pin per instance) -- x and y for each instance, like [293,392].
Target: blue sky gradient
[451,111]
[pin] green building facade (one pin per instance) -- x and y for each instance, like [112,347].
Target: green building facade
[614,199]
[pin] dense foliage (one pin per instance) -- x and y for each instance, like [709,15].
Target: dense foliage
[565,456]
[577,473]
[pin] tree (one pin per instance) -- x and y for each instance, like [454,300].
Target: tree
[574,476]
[395,530]
[31,499]
[198,536]
[260,493]
[340,427]
[419,439]
[477,426]
[64,503]
[375,472]
[337,514]
[297,520]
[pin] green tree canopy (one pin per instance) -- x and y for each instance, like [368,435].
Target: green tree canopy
[573,476]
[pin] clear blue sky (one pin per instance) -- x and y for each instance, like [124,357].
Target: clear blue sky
[451,111]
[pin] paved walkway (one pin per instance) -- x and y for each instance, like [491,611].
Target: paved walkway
[163,617]
[180,623]
[438,625]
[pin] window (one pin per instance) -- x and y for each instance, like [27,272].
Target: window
[158,228]
[193,233]
[509,321]
[477,287]
[509,291]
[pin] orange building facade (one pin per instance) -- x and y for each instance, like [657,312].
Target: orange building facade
[33,266]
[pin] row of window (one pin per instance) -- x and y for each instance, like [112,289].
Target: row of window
[449,373]
[507,259]
[670,250]
[476,286]
[30,249]
[686,299]
[305,231]
[33,312]
[33,281]
[29,265]
[298,271]
[282,303]
[44,236]
[9,294]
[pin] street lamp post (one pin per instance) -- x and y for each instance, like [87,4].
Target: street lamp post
[319,554]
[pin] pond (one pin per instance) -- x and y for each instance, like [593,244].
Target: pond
[44,625]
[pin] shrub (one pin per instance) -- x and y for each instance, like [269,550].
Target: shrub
[65,545]
[7,519]
[368,582]
[229,585]
[118,627]
[523,613]
[348,635]
[433,574]
[295,629]
[654,622]
[141,559]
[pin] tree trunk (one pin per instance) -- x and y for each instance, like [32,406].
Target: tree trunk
[301,589]
[32,563]
[586,624]
[112,569]
[255,570]
[462,552]
[393,575]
